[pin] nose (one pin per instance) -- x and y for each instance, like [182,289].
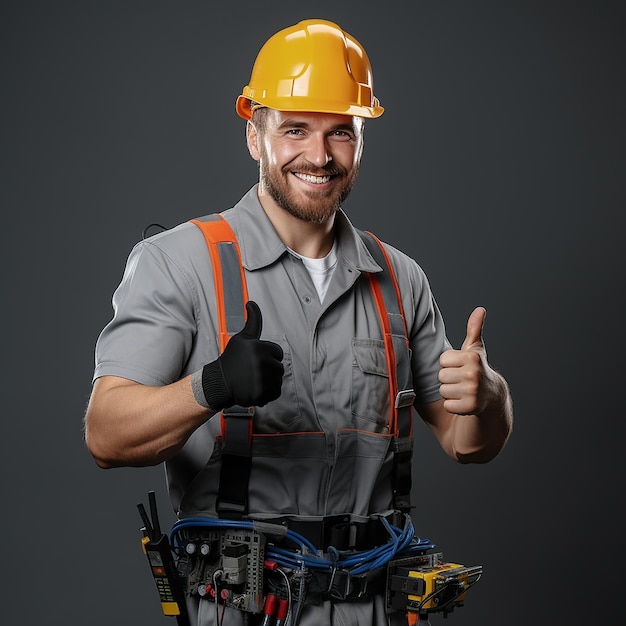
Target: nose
[317,151]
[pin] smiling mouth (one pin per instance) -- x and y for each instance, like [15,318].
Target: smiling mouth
[309,178]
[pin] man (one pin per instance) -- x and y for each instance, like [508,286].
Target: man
[311,359]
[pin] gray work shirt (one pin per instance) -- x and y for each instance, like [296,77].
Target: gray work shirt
[164,327]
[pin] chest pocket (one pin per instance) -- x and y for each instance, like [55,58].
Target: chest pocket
[369,396]
[381,382]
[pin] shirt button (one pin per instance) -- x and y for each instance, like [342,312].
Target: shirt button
[307,299]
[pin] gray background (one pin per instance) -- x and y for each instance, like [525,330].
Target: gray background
[499,165]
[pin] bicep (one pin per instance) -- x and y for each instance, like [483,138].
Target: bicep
[105,383]
[102,391]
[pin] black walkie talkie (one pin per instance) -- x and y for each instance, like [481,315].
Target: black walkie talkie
[156,547]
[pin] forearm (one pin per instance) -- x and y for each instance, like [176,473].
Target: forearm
[128,424]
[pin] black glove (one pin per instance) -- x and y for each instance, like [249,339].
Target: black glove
[249,372]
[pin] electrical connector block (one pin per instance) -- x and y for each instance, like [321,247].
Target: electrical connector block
[429,587]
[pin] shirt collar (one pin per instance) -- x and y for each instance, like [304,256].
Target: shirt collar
[261,246]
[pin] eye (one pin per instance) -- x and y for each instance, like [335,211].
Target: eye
[342,135]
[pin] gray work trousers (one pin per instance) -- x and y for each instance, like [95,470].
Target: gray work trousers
[365,613]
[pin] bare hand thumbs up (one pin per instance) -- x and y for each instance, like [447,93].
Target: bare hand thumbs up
[474,334]
[464,372]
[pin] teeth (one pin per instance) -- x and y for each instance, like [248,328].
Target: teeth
[313,179]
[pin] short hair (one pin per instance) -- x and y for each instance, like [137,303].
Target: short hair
[260,113]
[259,116]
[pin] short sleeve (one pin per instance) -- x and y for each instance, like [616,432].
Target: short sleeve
[150,337]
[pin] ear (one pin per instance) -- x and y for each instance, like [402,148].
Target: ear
[252,138]
[360,150]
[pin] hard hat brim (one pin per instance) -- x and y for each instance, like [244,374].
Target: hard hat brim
[310,106]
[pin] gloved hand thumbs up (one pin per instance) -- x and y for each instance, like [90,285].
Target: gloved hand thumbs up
[249,372]
[254,321]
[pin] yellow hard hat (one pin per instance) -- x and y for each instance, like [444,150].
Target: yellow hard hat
[312,66]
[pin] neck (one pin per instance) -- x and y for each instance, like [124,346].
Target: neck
[309,239]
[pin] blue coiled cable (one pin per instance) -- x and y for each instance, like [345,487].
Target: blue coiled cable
[402,543]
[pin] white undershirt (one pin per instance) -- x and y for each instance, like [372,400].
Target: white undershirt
[320,270]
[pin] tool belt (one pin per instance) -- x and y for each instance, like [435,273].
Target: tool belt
[330,537]
[341,531]
[343,534]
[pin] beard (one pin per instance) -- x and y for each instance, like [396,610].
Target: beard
[308,206]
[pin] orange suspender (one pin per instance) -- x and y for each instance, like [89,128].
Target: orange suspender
[223,245]
[389,305]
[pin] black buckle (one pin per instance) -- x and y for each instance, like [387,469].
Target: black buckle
[343,586]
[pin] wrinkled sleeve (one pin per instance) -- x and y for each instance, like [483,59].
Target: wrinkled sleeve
[150,336]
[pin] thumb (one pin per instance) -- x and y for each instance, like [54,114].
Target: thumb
[254,321]
[475,325]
